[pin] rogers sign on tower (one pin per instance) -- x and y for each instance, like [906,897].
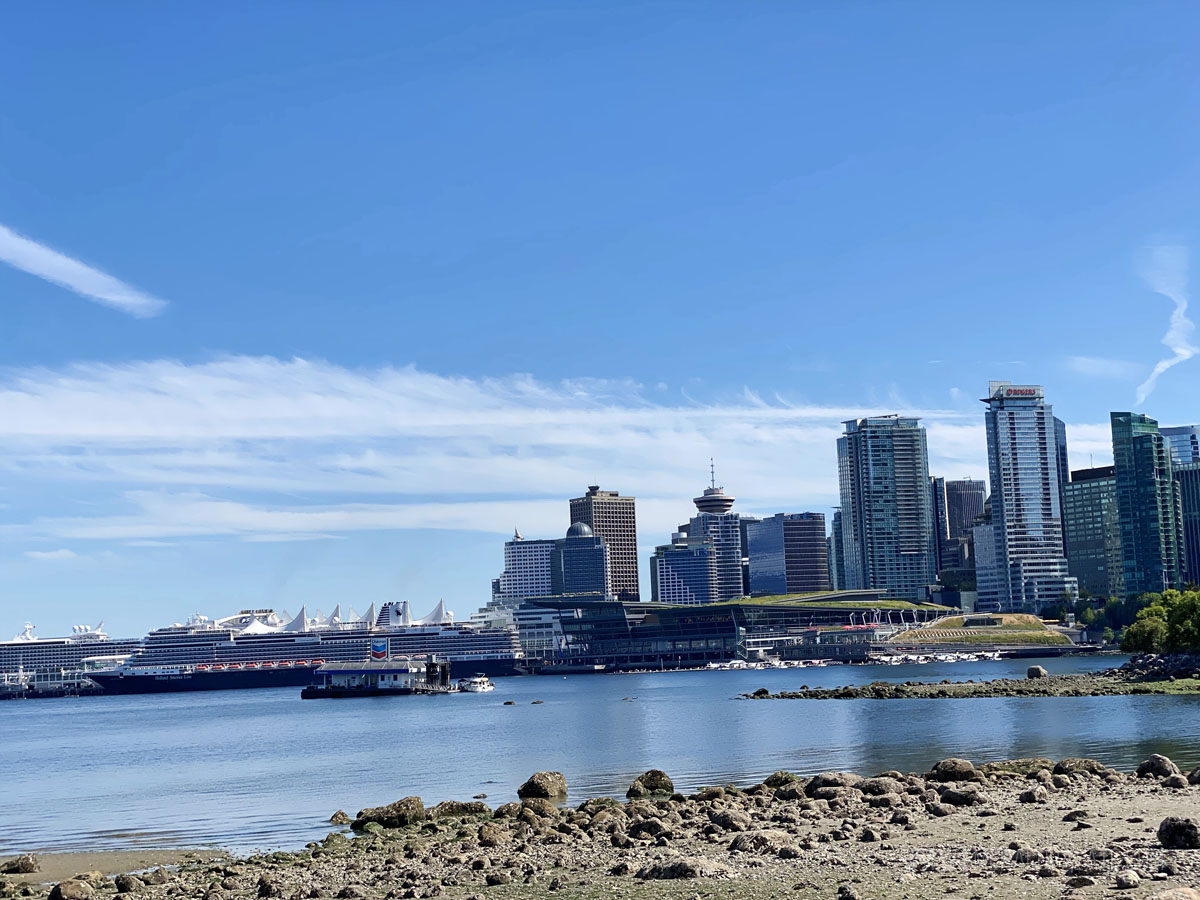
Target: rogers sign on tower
[1020,391]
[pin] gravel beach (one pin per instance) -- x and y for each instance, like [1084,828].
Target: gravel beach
[1025,828]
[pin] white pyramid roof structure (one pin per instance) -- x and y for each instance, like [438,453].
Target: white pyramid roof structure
[300,623]
[438,616]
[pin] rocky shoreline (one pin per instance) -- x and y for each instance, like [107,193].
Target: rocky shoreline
[1141,675]
[1074,828]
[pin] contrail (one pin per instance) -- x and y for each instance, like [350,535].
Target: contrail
[1167,275]
[36,259]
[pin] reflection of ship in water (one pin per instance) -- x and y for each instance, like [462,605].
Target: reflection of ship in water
[33,666]
[260,648]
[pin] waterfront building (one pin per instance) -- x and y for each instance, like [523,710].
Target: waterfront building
[1184,443]
[887,511]
[1187,476]
[1019,561]
[787,554]
[684,572]
[613,519]
[1148,505]
[618,636]
[1092,531]
[579,563]
[837,559]
[717,523]
[526,572]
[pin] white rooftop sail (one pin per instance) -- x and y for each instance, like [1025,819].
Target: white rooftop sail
[437,617]
[335,617]
[258,626]
[300,623]
[369,617]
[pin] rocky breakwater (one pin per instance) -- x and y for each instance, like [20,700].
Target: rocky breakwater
[1141,675]
[1038,828]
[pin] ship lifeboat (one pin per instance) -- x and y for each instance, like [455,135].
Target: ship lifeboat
[285,664]
[268,665]
[300,662]
[235,665]
[250,665]
[202,668]
[318,662]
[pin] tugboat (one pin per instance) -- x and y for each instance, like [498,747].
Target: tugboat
[477,684]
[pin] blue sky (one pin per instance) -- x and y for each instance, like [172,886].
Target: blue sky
[313,303]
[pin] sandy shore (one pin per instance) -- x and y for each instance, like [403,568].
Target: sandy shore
[55,867]
[1030,828]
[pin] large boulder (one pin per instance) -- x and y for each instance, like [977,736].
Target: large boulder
[1074,765]
[965,796]
[72,890]
[25,864]
[880,785]
[1176,833]
[831,780]
[408,811]
[768,841]
[544,784]
[1036,672]
[1157,766]
[451,809]
[780,778]
[656,781]
[683,867]
[953,769]
[128,884]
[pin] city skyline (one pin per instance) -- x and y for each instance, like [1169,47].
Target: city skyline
[321,351]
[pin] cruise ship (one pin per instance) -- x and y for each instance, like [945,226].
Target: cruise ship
[260,648]
[32,664]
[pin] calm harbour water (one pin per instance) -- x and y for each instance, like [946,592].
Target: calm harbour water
[264,769]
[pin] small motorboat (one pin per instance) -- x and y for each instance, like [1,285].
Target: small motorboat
[477,684]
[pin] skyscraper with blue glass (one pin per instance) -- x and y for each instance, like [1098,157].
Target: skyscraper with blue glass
[1021,566]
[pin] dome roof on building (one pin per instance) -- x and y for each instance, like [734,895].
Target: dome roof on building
[579,529]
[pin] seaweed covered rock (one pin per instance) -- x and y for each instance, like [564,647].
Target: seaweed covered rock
[656,781]
[544,784]
[408,811]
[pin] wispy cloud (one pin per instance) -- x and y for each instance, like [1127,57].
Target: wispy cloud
[50,555]
[1167,274]
[1102,367]
[269,449]
[262,449]
[40,260]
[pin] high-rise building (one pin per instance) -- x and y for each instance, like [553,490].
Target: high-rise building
[1092,531]
[837,559]
[1148,505]
[526,572]
[964,504]
[684,572]
[964,499]
[887,511]
[1184,441]
[715,522]
[1020,565]
[1188,478]
[579,563]
[612,518]
[941,522]
[1060,456]
[787,554]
